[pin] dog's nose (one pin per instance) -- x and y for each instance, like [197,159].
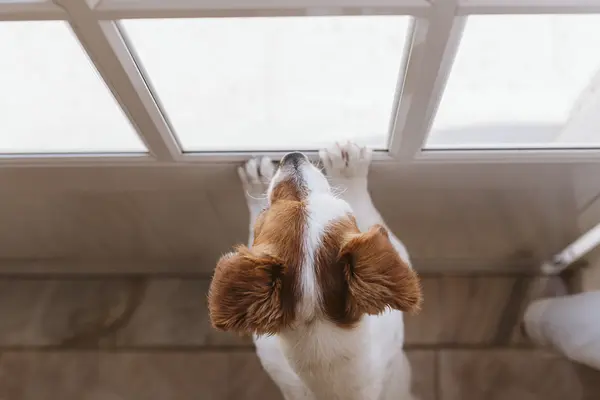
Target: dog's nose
[294,158]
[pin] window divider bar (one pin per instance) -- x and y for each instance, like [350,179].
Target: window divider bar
[119,9]
[529,6]
[435,41]
[108,51]
[30,11]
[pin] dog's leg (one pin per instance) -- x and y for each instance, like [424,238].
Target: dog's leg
[348,167]
[255,176]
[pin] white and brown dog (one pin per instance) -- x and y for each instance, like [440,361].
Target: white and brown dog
[323,286]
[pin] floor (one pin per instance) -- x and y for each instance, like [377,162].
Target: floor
[91,337]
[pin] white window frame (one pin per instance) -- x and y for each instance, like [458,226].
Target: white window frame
[435,37]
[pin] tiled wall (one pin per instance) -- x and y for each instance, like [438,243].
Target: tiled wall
[148,338]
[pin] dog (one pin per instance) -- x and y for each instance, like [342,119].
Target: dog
[323,284]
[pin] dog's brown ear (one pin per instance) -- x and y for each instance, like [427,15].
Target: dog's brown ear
[245,295]
[376,276]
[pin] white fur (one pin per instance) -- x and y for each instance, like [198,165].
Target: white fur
[322,210]
[315,359]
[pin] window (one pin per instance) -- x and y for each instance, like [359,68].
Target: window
[53,100]
[180,81]
[523,81]
[273,83]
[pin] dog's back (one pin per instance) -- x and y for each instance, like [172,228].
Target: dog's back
[385,375]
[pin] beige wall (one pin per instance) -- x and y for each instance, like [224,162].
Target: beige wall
[452,217]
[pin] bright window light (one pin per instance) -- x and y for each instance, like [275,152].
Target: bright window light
[53,100]
[523,81]
[230,84]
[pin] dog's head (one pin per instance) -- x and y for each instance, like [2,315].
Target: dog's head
[309,261]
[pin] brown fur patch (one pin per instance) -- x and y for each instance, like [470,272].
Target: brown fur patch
[362,273]
[330,272]
[287,190]
[256,290]
[245,295]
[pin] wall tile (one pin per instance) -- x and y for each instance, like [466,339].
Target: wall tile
[108,312]
[160,312]
[474,310]
[134,376]
[423,368]
[174,312]
[155,376]
[509,375]
[590,381]
[63,312]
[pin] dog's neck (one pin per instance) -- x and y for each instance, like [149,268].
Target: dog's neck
[333,362]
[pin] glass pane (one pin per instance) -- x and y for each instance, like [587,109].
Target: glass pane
[273,83]
[53,100]
[523,81]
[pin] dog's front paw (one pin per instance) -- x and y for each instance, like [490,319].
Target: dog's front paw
[256,174]
[346,161]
